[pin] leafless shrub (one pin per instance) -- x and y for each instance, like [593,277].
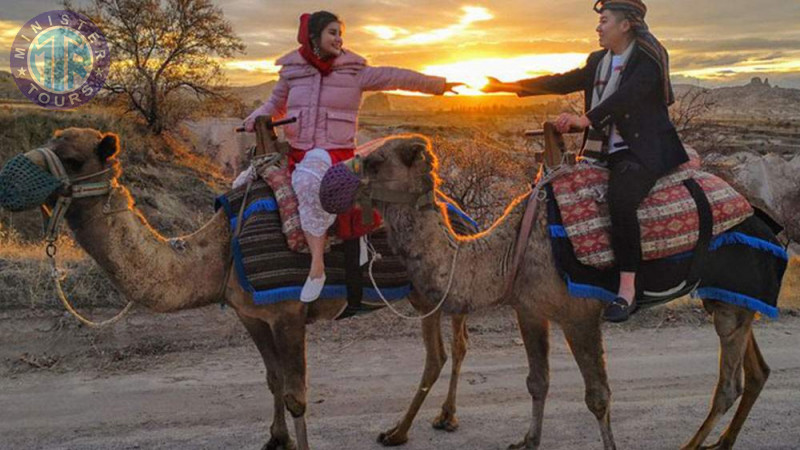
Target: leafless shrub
[688,111]
[481,173]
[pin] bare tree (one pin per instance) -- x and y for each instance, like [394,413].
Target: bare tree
[688,110]
[164,54]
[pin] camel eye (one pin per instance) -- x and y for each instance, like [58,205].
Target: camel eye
[371,165]
[72,165]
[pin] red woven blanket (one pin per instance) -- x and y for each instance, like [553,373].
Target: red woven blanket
[668,216]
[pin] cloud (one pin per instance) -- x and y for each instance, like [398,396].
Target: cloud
[397,36]
[8,31]
[703,37]
[731,44]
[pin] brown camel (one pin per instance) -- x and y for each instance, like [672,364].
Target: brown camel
[423,237]
[149,271]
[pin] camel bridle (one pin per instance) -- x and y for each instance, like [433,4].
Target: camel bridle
[71,189]
[371,190]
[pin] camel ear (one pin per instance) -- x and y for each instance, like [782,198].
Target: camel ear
[108,147]
[410,152]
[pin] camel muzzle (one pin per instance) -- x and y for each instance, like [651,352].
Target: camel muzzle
[24,185]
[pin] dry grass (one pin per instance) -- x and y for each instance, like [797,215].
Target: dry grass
[25,275]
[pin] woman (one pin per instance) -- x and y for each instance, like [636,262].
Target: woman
[627,91]
[321,85]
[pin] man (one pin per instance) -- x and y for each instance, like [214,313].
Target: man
[627,92]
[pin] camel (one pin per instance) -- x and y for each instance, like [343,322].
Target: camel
[422,236]
[152,273]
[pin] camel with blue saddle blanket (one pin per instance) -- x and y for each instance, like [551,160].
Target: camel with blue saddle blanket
[75,175]
[736,268]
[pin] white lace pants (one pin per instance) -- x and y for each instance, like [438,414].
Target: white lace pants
[306,179]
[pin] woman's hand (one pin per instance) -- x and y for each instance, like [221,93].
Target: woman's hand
[450,87]
[495,85]
[567,121]
[250,121]
[250,124]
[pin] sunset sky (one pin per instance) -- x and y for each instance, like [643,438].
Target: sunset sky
[711,42]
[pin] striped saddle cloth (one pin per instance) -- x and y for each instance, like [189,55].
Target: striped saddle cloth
[668,217]
[271,272]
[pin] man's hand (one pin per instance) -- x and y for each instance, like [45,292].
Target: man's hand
[495,85]
[567,121]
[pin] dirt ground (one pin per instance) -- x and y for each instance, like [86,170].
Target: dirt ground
[193,380]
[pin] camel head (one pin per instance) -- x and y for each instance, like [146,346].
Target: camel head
[84,155]
[399,170]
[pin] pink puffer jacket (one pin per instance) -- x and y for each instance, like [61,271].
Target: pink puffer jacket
[326,108]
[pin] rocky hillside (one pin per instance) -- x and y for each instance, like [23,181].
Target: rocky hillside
[253,96]
[756,100]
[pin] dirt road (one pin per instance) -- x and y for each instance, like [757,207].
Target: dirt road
[192,380]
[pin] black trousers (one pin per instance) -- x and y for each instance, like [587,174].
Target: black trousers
[628,184]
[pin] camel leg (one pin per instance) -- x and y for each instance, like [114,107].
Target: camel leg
[289,330]
[733,325]
[585,340]
[535,332]
[435,358]
[447,418]
[756,372]
[262,336]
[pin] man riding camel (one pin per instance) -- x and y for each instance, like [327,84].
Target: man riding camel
[627,126]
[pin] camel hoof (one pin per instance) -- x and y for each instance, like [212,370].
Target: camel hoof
[392,438]
[526,444]
[717,446]
[446,421]
[279,444]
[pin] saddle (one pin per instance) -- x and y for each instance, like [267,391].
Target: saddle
[268,269]
[695,230]
[669,218]
[693,226]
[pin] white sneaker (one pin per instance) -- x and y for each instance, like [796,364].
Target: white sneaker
[363,255]
[312,289]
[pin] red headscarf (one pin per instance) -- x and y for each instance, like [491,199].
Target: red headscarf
[325,66]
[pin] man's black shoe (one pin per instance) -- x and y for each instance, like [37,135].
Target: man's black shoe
[619,310]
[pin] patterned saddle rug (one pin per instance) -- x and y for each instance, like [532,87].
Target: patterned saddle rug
[668,217]
[271,272]
[741,264]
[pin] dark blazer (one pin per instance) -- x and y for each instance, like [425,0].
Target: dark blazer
[637,108]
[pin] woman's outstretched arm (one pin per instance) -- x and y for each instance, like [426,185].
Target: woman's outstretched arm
[391,78]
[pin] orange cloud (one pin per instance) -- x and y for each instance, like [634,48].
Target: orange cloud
[398,36]
[8,31]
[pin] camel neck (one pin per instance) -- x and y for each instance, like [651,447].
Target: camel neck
[142,264]
[426,243]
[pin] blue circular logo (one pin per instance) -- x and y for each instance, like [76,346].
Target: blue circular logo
[60,59]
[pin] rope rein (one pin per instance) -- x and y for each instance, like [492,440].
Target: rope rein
[376,256]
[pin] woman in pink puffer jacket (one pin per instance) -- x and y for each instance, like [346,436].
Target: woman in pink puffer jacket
[321,85]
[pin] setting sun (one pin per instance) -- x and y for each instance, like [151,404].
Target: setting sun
[473,72]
